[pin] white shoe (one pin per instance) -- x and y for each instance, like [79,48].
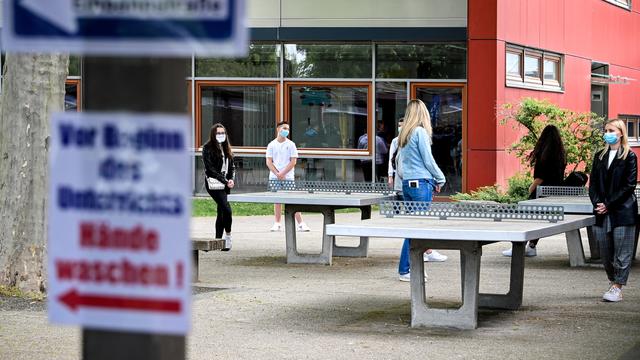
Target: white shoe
[302,227]
[613,295]
[276,227]
[227,242]
[434,256]
[529,252]
[407,277]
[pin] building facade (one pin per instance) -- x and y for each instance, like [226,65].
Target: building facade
[341,73]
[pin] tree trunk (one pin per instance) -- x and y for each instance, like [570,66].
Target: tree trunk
[32,89]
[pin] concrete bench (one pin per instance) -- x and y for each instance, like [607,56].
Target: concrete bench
[203,244]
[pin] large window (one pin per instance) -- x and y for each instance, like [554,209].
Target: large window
[327,61]
[446,107]
[263,61]
[72,95]
[249,112]
[327,115]
[421,61]
[534,69]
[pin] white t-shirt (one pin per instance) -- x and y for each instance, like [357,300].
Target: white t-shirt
[612,155]
[281,154]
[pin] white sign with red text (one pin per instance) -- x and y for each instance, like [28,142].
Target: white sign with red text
[119,211]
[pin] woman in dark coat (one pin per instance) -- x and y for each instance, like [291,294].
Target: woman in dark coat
[219,171]
[612,192]
[548,159]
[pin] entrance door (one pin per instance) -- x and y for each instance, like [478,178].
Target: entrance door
[446,104]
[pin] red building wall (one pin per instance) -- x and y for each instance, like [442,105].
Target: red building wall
[582,30]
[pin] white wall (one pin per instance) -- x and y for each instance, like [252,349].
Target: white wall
[357,13]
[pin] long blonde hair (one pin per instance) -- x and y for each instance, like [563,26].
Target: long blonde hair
[415,115]
[624,142]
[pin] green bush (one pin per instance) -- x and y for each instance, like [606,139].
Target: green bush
[518,190]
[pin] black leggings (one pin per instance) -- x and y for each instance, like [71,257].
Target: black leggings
[223,221]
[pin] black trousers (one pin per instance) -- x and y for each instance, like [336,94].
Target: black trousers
[223,220]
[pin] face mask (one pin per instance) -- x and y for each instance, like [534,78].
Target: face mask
[284,133]
[221,138]
[399,129]
[610,138]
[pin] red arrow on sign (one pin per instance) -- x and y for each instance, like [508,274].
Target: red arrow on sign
[73,300]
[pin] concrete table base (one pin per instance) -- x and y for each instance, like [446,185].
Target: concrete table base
[466,316]
[329,247]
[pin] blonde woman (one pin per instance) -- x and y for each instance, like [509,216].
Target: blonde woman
[421,176]
[612,192]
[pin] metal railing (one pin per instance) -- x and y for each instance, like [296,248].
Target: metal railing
[495,212]
[572,191]
[329,186]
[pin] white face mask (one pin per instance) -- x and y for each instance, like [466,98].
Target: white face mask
[221,138]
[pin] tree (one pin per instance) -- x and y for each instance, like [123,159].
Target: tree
[581,132]
[32,89]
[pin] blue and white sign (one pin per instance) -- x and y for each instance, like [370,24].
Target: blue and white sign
[119,254]
[126,27]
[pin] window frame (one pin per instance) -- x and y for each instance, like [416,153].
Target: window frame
[530,82]
[334,151]
[634,139]
[200,84]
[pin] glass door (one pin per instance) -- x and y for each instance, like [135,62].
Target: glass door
[446,104]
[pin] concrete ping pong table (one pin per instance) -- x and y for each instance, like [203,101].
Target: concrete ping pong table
[320,197]
[467,229]
[575,200]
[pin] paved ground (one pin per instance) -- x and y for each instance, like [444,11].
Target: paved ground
[251,305]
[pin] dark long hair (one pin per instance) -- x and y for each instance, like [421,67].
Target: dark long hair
[549,149]
[213,143]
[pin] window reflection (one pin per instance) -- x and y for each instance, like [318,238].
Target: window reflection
[71,96]
[422,61]
[248,112]
[327,116]
[327,61]
[445,108]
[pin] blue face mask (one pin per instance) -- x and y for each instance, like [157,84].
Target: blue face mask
[610,138]
[284,133]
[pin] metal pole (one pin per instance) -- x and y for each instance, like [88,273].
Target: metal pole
[133,85]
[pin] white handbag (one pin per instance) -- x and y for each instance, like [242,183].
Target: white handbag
[214,184]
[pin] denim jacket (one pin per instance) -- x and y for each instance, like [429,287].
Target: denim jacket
[417,159]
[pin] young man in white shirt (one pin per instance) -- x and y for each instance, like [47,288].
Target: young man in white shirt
[282,156]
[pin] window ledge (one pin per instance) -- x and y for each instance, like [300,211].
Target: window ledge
[527,86]
[619,4]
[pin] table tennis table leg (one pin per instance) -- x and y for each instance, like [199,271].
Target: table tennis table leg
[355,251]
[466,316]
[512,299]
[293,256]
[594,249]
[574,246]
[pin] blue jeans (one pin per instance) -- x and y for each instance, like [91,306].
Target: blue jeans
[424,192]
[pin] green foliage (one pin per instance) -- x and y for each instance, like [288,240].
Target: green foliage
[11,291]
[581,132]
[518,190]
[207,207]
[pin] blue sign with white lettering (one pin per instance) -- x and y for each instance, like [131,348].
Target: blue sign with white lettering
[126,27]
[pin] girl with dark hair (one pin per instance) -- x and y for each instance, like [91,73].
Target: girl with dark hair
[548,159]
[219,172]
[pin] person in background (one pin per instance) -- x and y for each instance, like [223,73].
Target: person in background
[381,154]
[421,176]
[394,172]
[282,156]
[612,192]
[218,164]
[549,160]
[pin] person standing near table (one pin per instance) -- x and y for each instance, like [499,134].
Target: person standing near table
[421,175]
[549,160]
[218,166]
[282,156]
[612,193]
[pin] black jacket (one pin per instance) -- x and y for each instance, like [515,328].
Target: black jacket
[615,187]
[212,158]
